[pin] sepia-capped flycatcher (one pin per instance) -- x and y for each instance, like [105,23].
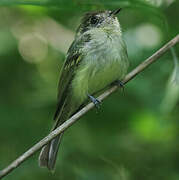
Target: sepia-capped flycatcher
[96,58]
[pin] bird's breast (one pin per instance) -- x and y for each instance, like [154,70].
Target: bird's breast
[104,62]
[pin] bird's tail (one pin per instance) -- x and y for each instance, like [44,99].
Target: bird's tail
[48,154]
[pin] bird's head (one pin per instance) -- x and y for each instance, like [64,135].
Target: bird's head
[100,19]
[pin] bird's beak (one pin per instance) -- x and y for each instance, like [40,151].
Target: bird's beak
[114,12]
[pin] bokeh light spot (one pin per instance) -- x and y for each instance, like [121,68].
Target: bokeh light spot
[150,127]
[33,47]
[148,35]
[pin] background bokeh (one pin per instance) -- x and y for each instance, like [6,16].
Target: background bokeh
[135,134]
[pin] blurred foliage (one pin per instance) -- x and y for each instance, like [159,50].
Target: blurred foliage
[135,134]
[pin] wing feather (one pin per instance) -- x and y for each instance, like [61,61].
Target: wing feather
[74,57]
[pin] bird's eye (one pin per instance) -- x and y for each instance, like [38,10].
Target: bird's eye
[94,20]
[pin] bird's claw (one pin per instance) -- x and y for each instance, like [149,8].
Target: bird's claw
[95,101]
[119,84]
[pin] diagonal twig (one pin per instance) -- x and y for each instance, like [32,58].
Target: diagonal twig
[89,106]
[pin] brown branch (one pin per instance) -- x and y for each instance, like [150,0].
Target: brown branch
[84,110]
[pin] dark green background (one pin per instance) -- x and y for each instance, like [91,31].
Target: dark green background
[135,134]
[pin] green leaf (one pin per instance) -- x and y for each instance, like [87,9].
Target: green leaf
[172,91]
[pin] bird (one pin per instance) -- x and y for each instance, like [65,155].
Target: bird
[96,58]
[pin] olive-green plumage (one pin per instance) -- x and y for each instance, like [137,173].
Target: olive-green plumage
[96,58]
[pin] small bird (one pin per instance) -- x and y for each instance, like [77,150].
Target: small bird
[96,58]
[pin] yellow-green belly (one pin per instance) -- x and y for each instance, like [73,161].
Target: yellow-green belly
[104,62]
[93,77]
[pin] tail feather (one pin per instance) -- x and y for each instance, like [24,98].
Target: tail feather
[48,155]
[43,157]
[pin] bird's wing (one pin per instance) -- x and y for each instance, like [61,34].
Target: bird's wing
[74,56]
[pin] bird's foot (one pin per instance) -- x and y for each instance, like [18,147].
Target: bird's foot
[95,101]
[119,84]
